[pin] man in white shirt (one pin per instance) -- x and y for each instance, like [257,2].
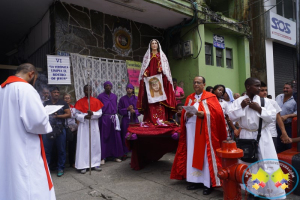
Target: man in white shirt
[247,111]
[272,126]
[24,171]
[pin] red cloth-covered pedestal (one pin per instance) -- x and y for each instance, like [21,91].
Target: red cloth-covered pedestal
[153,142]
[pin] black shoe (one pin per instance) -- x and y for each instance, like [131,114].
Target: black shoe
[195,186]
[252,197]
[207,191]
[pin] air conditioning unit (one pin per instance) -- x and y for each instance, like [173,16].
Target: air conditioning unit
[177,51]
[188,48]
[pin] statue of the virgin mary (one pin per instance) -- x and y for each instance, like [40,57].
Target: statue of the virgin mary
[154,63]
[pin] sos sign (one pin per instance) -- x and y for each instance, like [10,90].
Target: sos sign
[280,28]
[281,25]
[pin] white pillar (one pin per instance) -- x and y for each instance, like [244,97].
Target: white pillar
[270,68]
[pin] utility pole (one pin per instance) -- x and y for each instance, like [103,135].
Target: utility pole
[298,67]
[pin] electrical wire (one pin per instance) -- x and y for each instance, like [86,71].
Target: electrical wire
[196,11]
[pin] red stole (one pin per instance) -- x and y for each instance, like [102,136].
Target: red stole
[45,163]
[13,79]
[83,106]
[200,132]
[200,139]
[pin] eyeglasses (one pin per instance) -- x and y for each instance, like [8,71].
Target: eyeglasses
[197,82]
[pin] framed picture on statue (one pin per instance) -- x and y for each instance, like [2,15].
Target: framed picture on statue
[155,89]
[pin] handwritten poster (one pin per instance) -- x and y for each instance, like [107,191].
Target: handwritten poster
[133,69]
[58,70]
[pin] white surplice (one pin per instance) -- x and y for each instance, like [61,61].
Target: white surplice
[82,148]
[248,120]
[272,126]
[22,118]
[192,174]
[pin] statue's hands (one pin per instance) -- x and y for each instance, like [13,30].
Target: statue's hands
[159,69]
[146,73]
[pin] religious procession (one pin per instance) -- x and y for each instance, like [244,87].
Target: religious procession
[128,99]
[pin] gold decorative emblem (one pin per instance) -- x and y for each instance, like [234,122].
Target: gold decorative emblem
[122,40]
[196,173]
[197,100]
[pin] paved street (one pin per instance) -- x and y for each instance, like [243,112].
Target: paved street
[118,181]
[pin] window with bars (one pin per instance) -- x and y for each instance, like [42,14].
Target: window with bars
[208,54]
[229,58]
[219,57]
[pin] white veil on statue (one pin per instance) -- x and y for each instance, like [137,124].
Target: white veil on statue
[164,62]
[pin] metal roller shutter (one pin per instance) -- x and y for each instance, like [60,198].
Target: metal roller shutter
[284,65]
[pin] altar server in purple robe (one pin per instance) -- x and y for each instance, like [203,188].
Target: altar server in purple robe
[127,108]
[109,125]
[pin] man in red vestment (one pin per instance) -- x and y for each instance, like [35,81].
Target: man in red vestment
[155,62]
[201,134]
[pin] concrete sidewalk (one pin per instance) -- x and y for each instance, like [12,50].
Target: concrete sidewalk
[118,181]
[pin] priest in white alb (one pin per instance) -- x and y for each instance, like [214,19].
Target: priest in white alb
[201,135]
[83,116]
[24,173]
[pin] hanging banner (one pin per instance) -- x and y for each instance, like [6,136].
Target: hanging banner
[133,69]
[58,70]
[219,41]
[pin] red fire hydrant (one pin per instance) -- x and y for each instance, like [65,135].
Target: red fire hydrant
[231,172]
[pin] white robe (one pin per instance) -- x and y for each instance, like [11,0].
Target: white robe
[82,148]
[22,118]
[195,175]
[249,119]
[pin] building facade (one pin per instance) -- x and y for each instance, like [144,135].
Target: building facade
[273,46]
[199,37]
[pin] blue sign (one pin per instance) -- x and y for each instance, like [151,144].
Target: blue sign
[219,41]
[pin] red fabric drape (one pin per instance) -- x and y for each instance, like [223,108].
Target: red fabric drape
[153,142]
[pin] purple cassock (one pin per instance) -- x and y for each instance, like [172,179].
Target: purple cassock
[111,144]
[127,117]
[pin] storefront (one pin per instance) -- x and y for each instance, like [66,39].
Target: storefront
[280,52]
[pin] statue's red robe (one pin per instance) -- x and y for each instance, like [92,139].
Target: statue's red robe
[163,110]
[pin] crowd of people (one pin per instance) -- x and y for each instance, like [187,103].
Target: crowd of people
[45,139]
[222,114]
[71,124]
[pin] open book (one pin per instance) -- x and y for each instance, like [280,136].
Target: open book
[190,109]
[50,109]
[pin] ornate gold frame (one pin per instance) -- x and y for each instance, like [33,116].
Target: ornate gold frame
[122,32]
